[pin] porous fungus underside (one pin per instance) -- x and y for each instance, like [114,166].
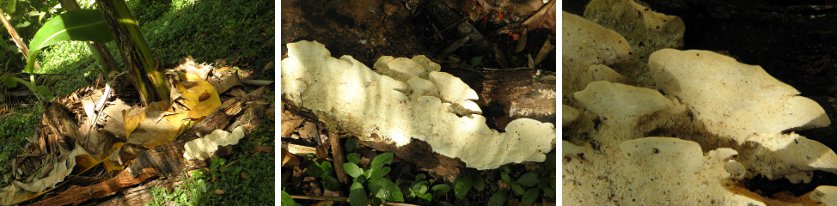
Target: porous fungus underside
[406,99]
[685,129]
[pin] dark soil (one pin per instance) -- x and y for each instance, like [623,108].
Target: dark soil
[362,29]
[368,29]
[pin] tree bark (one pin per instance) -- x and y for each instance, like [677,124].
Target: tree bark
[150,83]
[78,195]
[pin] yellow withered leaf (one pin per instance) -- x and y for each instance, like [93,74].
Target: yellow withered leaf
[113,161]
[152,133]
[114,120]
[199,96]
[86,161]
[132,118]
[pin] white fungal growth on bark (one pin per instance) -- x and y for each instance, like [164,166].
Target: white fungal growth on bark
[436,108]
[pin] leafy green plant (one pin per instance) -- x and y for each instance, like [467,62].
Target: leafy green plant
[523,186]
[240,31]
[440,189]
[357,194]
[528,180]
[380,188]
[498,198]
[350,145]
[324,171]
[462,186]
[188,193]
[420,189]
[287,200]
[79,25]
[96,26]
[530,185]
[15,127]
[243,179]
[139,60]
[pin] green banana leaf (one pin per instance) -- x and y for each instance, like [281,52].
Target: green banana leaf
[79,25]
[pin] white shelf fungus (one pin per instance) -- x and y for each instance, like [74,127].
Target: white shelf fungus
[347,94]
[568,115]
[451,88]
[826,195]
[722,121]
[743,103]
[585,43]
[614,100]
[650,171]
[205,147]
[732,98]
[646,31]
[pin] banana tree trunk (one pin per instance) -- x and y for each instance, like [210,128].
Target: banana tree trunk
[150,83]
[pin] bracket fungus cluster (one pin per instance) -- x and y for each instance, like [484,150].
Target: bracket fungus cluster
[403,100]
[686,128]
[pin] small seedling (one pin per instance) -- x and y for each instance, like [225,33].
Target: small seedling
[462,186]
[419,189]
[381,188]
[325,172]
[498,198]
[440,189]
[353,158]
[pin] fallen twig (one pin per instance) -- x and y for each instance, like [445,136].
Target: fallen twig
[343,199]
[256,82]
[302,197]
[544,17]
[337,157]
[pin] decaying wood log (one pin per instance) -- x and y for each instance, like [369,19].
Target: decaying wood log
[78,195]
[520,93]
[508,94]
[420,153]
[250,119]
[167,159]
[217,120]
[139,195]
